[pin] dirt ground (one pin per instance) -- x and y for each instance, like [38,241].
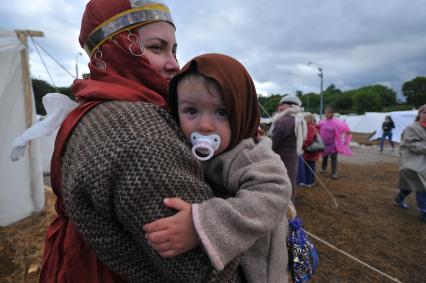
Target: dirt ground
[367,224]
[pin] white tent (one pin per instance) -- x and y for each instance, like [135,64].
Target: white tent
[353,121]
[367,123]
[401,119]
[21,183]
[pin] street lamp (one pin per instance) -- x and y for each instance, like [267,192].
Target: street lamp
[76,64]
[321,75]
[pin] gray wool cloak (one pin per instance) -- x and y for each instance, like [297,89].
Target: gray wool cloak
[253,221]
[413,158]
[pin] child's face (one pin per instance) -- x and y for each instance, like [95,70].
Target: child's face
[201,109]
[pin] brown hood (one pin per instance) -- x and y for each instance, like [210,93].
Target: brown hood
[237,87]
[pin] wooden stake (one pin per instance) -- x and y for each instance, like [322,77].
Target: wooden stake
[26,77]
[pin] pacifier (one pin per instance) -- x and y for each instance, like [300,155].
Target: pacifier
[203,147]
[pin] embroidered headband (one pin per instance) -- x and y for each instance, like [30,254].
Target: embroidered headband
[143,12]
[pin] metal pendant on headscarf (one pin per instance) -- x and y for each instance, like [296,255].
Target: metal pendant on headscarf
[142,11]
[203,147]
[136,47]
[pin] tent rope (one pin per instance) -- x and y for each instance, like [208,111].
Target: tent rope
[394,279]
[36,45]
[322,184]
[263,108]
[45,66]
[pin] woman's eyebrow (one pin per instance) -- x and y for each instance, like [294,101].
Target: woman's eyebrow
[163,41]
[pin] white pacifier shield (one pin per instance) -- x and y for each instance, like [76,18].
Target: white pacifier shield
[205,145]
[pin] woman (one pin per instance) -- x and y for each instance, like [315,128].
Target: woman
[412,172]
[336,137]
[387,127]
[119,154]
[310,157]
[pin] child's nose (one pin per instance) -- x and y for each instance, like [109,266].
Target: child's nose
[206,124]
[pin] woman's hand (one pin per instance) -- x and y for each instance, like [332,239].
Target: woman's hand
[174,235]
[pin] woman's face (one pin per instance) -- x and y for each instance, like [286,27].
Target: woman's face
[328,114]
[160,47]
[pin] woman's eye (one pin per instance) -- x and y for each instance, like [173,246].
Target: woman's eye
[156,47]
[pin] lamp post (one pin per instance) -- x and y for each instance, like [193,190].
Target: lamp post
[76,64]
[321,75]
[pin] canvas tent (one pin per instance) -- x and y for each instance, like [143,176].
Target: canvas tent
[367,123]
[371,123]
[21,182]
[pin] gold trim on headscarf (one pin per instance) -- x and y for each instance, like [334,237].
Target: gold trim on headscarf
[128,19]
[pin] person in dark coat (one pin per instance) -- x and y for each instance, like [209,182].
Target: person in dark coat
[288,131]
[387,127]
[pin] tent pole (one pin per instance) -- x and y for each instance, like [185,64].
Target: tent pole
[37,199]
[23,37]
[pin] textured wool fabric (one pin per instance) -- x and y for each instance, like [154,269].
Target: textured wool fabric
[238,92]
[120,163]
[253,221]
[412,171]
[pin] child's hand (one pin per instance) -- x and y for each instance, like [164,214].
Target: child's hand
[174,235]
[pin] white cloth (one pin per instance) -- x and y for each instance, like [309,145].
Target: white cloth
[57,106]
[300,128]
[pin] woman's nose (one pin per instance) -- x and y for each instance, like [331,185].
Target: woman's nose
[172,64]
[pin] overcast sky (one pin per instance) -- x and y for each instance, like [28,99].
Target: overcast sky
[356,42]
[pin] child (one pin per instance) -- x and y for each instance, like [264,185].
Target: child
[310,157]
[214,95]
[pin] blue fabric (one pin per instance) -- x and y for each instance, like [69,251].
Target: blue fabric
[309,172]
[301,171]
[303,257]
[421,201]
[382,140]
[420,198]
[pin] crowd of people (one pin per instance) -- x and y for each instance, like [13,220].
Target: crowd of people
[160,173]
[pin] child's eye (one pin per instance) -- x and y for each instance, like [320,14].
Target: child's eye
[191,110]
[221,113]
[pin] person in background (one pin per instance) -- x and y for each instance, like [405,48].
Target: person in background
[288,131]
[336,138]
[412,172]
[387,127]
[301,180]
[214,96]
[120,153]
[310,157]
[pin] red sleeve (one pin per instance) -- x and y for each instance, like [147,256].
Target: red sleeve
[310,136]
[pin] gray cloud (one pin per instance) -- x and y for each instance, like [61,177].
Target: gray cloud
[357,43]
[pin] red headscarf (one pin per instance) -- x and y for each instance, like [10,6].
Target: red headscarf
[126,78]
[237,87]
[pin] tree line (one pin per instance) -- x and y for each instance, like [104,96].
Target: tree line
[374,98]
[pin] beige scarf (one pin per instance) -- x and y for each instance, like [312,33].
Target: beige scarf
[300,129]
